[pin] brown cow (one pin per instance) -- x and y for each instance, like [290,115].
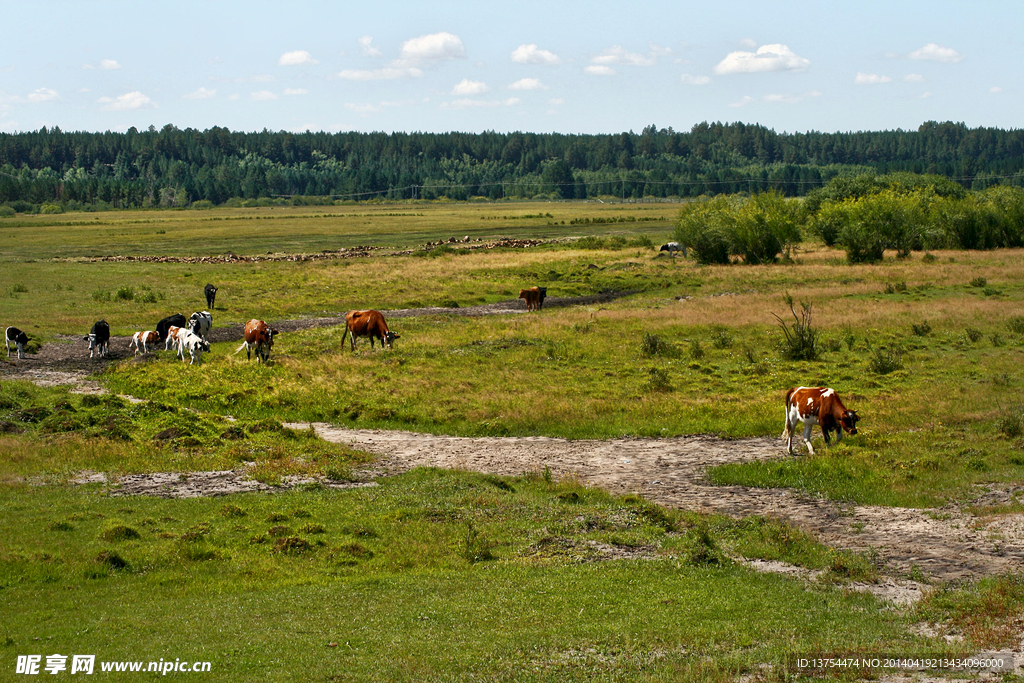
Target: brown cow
[259,337]
[368,324]
[532,297]
[141,340]
[817,406]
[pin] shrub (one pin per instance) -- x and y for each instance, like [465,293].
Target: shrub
[973,333]
[653,345]
[885,360]
[1011,422]
[922,330]
[51,209]
[1016,324]
[799,342]
[125,293]
[657,380]
[894,287]
[721,339]
[202,204]
[979,282]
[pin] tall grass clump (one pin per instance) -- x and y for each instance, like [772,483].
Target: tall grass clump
[653,345]
[800,339]
[885,360]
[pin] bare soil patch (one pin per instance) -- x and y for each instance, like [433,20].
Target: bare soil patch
[946,545]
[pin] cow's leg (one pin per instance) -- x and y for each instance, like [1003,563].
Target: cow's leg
[825,432]
[7,343]
[21,350]
[789,433]
[807,437]
[839,434]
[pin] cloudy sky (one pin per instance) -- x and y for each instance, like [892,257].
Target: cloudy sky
[570,67]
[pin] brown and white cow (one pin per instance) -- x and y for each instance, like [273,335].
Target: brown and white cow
[368,324]
[259,337]
[174,337]
[817,406]
[532,297]
[140,340]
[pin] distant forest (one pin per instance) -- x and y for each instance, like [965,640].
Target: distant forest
[50,169]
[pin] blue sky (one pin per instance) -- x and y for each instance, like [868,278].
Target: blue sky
[595,67]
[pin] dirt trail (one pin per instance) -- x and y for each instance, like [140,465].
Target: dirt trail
[946,544]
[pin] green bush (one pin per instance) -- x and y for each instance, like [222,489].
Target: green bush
[799,341]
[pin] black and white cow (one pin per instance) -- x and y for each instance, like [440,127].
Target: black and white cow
[672,248]
[200,323]
[98,338]
[18,338]
[211,294]
[176,320]
[195,345]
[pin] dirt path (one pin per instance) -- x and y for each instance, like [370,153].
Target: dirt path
[946,544]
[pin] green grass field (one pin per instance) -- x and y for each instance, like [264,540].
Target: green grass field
[439,575]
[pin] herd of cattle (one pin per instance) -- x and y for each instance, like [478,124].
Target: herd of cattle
[806,405]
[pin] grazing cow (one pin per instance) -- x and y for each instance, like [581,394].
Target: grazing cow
[368,324]
[532,297]
[672,248]
[211,294]
[817,406]
[199,324]
[176,320]
[98,338]
[142,340]
[259,337]
[543,295]
[174,336]
[195,346]
[18,338]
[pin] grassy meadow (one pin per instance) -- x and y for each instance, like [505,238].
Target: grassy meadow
[437,575]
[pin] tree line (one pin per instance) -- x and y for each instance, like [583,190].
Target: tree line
[172,167]
[865,215]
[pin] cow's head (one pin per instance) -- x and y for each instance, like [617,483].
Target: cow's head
[390,337]
[849,421]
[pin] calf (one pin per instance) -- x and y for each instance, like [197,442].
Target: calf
[176,320]
[195,345]
[817,406]
[174,337]
[543,295]
[368,324]
[532,297]
[211,294]
[18,338]
[141,340]
[259,337]
[98,338]
[200,323]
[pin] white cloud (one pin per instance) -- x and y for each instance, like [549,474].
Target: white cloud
[748,43]
[597,70]
[789,99]
[43,95]
[690,79]
[368,49]
[201,94]
[296,58]
[387,73]
[475,104]
[936,53]
[262,96]
[531,54]
[914,78]
[870,79]
[127,102]
[774,57]
[109,64]
[925,95]
[747,99]
[618,55]
[296,91]
[363,107]
[468,87]
[433,47]
[995,89]
[528,84]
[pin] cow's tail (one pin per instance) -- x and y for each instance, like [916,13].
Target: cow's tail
[344,333]
[787,430]
[239,349]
